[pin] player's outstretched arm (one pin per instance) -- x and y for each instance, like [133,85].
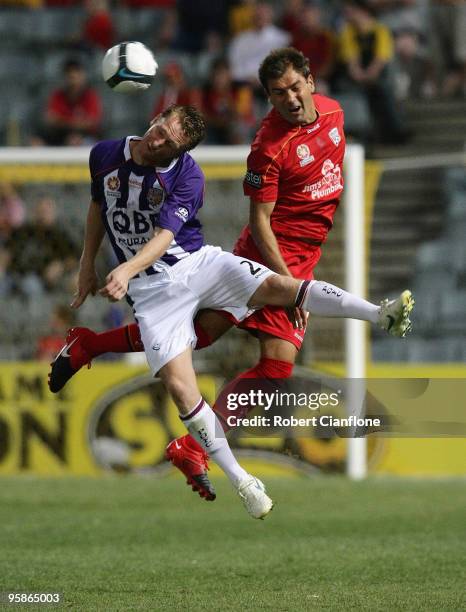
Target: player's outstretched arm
[87,278]
[266,242]
[116,283]
[263,236]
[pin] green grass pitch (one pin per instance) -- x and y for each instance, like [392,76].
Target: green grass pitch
[128,543]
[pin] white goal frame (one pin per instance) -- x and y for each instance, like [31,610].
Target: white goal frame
[354,247]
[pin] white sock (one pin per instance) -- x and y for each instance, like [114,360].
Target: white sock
[325,300]
[205,428]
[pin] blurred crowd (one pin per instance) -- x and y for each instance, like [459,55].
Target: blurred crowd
[39,258]
[384,51]
[37,254]
[381,52]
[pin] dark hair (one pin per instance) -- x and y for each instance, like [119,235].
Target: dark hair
[72,63]
[192,124]
[277,63]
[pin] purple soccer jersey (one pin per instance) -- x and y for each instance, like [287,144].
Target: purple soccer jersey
[136,199]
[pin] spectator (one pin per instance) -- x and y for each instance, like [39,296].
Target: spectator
[228,110]
[11,216]
[167,33]
[74,112]
[240,16]
[408,22]
[11,205]
[449,44]
[413,69]
[213,50]
[42,255]
[248,49]
[61,320]
[317,44]
[98,30]
[366,48]
[292,16]
[176,90]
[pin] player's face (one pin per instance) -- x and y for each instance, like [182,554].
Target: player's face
[162,141]
[291,96]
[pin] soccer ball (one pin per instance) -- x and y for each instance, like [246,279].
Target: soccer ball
[129,67]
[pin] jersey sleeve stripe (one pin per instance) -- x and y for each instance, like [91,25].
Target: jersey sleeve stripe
[337,110]
[277,154]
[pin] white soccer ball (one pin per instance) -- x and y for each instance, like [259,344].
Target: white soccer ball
[129,67]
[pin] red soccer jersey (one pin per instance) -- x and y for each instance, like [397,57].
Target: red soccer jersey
[87,106]
[300,169]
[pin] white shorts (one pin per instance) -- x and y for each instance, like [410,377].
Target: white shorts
[165,305]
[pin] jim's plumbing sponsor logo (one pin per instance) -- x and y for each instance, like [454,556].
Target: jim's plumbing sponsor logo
[330,183]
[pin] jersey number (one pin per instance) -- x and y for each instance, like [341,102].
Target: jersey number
[252,269]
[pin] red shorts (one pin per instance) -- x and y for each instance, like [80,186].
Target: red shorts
[301,259]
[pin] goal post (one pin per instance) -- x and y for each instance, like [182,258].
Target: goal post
[355,274]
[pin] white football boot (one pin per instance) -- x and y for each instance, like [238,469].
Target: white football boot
[394,314]
[255,499]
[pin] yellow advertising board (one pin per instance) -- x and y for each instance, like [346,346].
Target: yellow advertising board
[115,417]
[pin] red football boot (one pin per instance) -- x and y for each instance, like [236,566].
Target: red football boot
[72,357]
[191,459]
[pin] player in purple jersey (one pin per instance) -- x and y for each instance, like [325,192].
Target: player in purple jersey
[146,193]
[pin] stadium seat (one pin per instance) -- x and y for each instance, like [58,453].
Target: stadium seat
[454,180]
[433,255]
[14,24]
[438,349]
[357,115]
[452,311]
[427,312]
[54,26]
[137,25]
[388,349]
[18,63]
[425,279]
[457,207]
[126,114]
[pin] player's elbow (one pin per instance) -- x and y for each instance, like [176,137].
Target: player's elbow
[164,237]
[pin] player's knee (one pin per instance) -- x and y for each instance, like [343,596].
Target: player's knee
[276,290]
[279,283]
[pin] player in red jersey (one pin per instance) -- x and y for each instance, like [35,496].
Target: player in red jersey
[294,182]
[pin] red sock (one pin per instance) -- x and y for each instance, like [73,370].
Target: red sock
[269,368]
[265,368]
[125,339]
